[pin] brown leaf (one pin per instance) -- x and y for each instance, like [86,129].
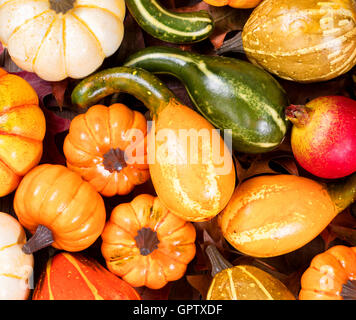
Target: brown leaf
[344,233]
[58,90]
[201,283]
[150,294]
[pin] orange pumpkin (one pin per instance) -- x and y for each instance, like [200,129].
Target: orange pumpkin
[22,129]
[331,276]
[77,277]
[243,4]
[147,245]
[60,207]
[102,147]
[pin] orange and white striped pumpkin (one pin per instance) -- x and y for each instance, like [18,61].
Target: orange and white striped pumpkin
[303,41]
[72,276]
[57,39]
[16,267]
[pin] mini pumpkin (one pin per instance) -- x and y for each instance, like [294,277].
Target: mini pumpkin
[303,41]
[16,267]
[242,4]
[22,129]
[61,38]
[59,208]
[147,245]
[331,275]
[106,146]
[73,276]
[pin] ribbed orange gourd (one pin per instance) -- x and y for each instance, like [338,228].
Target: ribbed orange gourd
[22,129]
[60,207]
[331,275]
[272,215]
[147,245]
[106,146]
[69,276]
[242,4]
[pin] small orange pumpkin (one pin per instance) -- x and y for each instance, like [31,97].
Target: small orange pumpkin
[101,149]
[242,4]
[331,275]
[147,245]
[22,129]
[69,276]
[61,209]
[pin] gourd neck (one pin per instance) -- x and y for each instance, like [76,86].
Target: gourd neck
[299,115]
[146,241]
[62,6]
[42,238]
[140,83]
[343,192]
[217,261]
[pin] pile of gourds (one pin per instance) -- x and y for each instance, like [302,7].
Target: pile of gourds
[151,240]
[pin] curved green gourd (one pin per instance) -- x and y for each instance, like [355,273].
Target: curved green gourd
[230,93]
[169,26]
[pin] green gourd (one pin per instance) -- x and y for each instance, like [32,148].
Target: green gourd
[229,93]
[169,26]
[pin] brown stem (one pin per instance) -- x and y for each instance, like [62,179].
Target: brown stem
[41,239]
[349,290]
[61,6]
[218,262]
[114,160]
[299,115]
[147,241]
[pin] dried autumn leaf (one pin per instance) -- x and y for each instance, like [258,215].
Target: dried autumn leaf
[200,282]
[344,233]
[150,294]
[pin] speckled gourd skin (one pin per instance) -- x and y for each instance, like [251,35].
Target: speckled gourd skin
[304,40]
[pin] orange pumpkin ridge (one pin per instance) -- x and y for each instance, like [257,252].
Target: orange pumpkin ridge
[147,245]
[101,146]
[77,277]
[331,275]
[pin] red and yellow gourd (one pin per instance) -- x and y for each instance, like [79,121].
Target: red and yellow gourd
[303,41]
[57,39]
[273,215]
[73,276]
[59,208]
[106,146]
[22,129]
[242,282]
[242,4]
[16,267]
[331,275]
[196,186]
[146,244]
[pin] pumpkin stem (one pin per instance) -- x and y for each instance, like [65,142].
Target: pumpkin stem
[218,262]
[343,192]
[349,290]
[61,6]
[147,241]
[114,160]
[41,239]
[299,115]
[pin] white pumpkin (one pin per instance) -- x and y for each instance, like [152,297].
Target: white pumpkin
[57,39]
[16,267]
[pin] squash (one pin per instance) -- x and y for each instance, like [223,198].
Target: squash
[242,282]
[147,245]
[231,94]
[73,276]
[16,267]
[100,147]
[273,215]
[57,39]
[303,41]
[168,25]
[22,130]
[59,208]
[324,136]
[241,4]
[195,185]
[331,275]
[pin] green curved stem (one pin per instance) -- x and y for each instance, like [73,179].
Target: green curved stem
[137,82]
